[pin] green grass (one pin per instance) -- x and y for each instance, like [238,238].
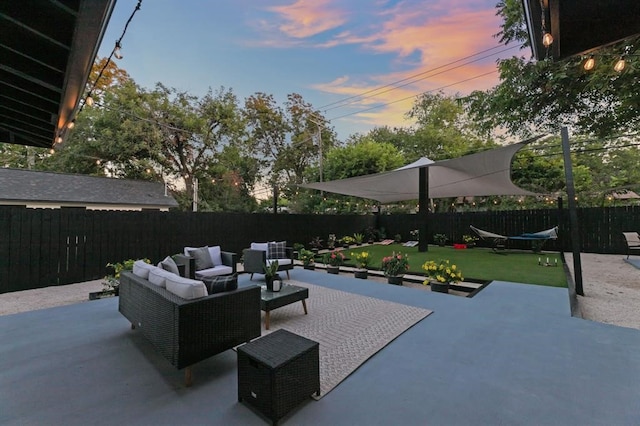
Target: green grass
[477,263]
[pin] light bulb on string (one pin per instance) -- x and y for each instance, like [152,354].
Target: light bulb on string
[116,52]
[89,100]
[547,39]
[589,64]
[71,124]
[59,139]
[620,64]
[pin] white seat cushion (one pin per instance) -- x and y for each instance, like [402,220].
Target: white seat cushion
[142,268]
[158,276]
[280,261]
[260,246]
[186,288]
[216,255]
[215,271]
[215,252]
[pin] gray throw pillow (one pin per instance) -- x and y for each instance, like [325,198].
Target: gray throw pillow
[168,264]
[202,257]
[277,250]
[221,284]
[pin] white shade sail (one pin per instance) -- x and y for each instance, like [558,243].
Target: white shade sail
[479,174]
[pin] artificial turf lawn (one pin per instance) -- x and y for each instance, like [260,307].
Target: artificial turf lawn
[477,263]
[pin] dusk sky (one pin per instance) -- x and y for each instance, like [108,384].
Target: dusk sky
[335,53]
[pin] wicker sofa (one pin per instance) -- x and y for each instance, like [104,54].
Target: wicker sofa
[188,331]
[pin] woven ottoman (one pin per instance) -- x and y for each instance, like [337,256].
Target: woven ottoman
[277,372]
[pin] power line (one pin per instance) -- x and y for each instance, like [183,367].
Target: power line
[413,96]
[394,85]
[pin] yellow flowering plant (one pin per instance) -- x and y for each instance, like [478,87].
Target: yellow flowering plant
[362,259]
[442,272]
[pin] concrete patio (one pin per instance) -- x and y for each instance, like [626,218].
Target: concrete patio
[510,355]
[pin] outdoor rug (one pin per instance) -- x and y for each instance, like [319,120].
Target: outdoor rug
[349,328]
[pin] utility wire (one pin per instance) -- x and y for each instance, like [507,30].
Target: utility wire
[412,79]
[412,96]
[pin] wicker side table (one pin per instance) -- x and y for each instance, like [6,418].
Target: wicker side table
[277,372]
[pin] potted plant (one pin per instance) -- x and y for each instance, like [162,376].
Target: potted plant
[362,262]
[347,240]
[358,238]
[296,249]
[331,241]
[394,267]
[440,239]
[441,275]
[307,257]
[271,273]
[469,240]
[316,244]
[111,283]
[333,260]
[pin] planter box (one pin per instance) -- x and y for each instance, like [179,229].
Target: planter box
[102,294]
[333,269]
[395,279]
[311,267]
[362,274]
[439,287]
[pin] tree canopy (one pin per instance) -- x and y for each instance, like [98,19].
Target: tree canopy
[542,96]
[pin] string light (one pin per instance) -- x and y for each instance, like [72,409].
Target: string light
[620,64]
[589,63]
[547,38]
[116,52]
[71,124]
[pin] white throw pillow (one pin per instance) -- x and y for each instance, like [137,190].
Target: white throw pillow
[186,288]
[260,246]
[158,276]
[216,255]
[141,269]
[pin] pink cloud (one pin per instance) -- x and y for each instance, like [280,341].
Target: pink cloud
[430,51]
[306,18]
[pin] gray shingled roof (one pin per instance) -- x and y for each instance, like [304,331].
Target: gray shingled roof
[34,186]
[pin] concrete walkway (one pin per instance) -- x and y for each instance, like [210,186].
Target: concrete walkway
[510,355]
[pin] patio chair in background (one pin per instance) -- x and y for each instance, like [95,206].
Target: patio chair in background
[209,261]
[633,241]
[261,254]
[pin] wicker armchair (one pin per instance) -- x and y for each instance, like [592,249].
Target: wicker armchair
[255,258]
[188,331]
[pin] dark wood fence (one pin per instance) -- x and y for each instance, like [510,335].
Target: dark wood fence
[44,247]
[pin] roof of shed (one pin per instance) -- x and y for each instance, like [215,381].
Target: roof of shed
[48,187]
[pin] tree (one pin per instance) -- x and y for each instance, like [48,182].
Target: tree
[22,156]
[286,139]
[442,129]
[362,156]
[543,96]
